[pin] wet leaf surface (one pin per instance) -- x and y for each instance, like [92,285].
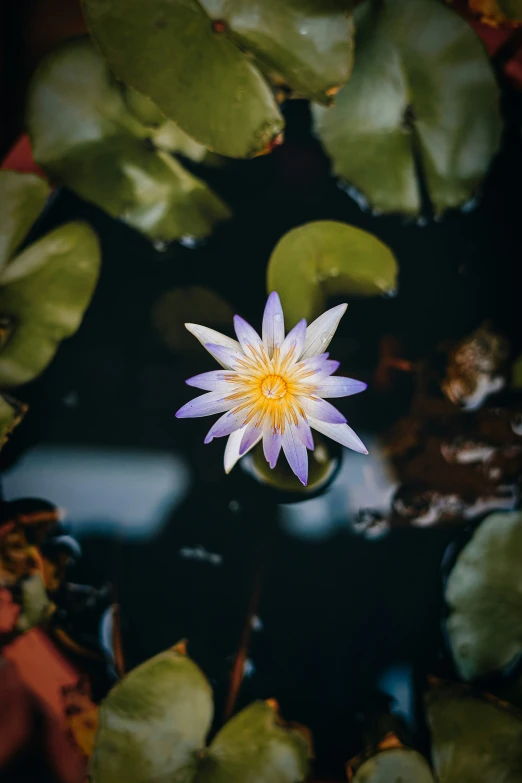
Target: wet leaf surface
[22,198]
[101,150]
[327,258]
[484,595]
[422,90]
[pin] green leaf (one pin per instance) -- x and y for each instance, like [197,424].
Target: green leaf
[169,51]
[326,258]
[306,44]
[11,414]
[22,198]
[396,764]
[422,88]
[484,595]
[474,740]
[153,725]
[103,152]
[35,605]
[253,748]
[44,292]
[177,307]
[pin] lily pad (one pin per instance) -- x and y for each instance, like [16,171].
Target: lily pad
[396,764]
[44,293]
[170,52]
[11,414]
[326,258]
[153,724]
[484,595]
[422,92]
[101,150]
[177,307]
[306,44]
[22,198]
[473,738]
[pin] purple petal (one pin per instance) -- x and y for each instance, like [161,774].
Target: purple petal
[296,454]
[304,432]
[208,337]
[339,387]
[226,424]
[295,338]
[321,331]
[246,335]
[273,323]
[322,410]
[341,433]
[251,436]
[271,445]
[226,356]
[216,380]
[321,364]
[205,405]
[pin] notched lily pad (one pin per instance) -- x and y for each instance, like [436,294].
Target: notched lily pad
[306,44]
[102,149]
[422,89]
[484,595]
[326,258]
[153,724]
[473,738]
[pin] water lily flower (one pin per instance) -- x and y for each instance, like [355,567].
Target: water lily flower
[273,388]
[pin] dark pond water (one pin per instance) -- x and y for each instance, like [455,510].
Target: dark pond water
[344,611]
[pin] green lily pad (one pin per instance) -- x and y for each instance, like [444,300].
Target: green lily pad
[44,293]
[422,89]
[396,764]
[169,51]
[22,198]
[11,414]
[153,725]
[484,595]
[306,44]
[326,258]
[101,150]
[473,739]
[175,308]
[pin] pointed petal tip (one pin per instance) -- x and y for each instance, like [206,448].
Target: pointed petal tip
[208,440]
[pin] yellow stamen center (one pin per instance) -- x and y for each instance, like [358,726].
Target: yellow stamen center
[274,386]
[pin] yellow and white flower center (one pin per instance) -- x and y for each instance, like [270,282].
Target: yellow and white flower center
[274,387]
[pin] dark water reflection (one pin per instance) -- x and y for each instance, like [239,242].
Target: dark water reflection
[342,613]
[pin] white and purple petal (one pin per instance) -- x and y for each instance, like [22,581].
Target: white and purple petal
[294,340]
[205,405]
[339,387]
[246,334]
[273,323]
[226,424]
[215,380]
[319,334]
[322,410]
[252,434]
[341,433]
[227,357]
[271,444]
[304,432]
[296,453]
[232,454]
[208,336]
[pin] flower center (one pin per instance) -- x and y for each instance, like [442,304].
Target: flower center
[273,386]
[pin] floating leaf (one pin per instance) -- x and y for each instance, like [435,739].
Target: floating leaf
[177,307]
[11,414]
[396,764]
[170,52]
[44,293]
[484,595]
[153,725]
[22,198]
[422,90]
[326,258]
[307,44]
[101,150]
[473,739]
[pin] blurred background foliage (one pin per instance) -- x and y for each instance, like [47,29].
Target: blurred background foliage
[197,155]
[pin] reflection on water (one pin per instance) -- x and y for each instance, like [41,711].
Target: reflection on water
[103,491]
[362,483]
